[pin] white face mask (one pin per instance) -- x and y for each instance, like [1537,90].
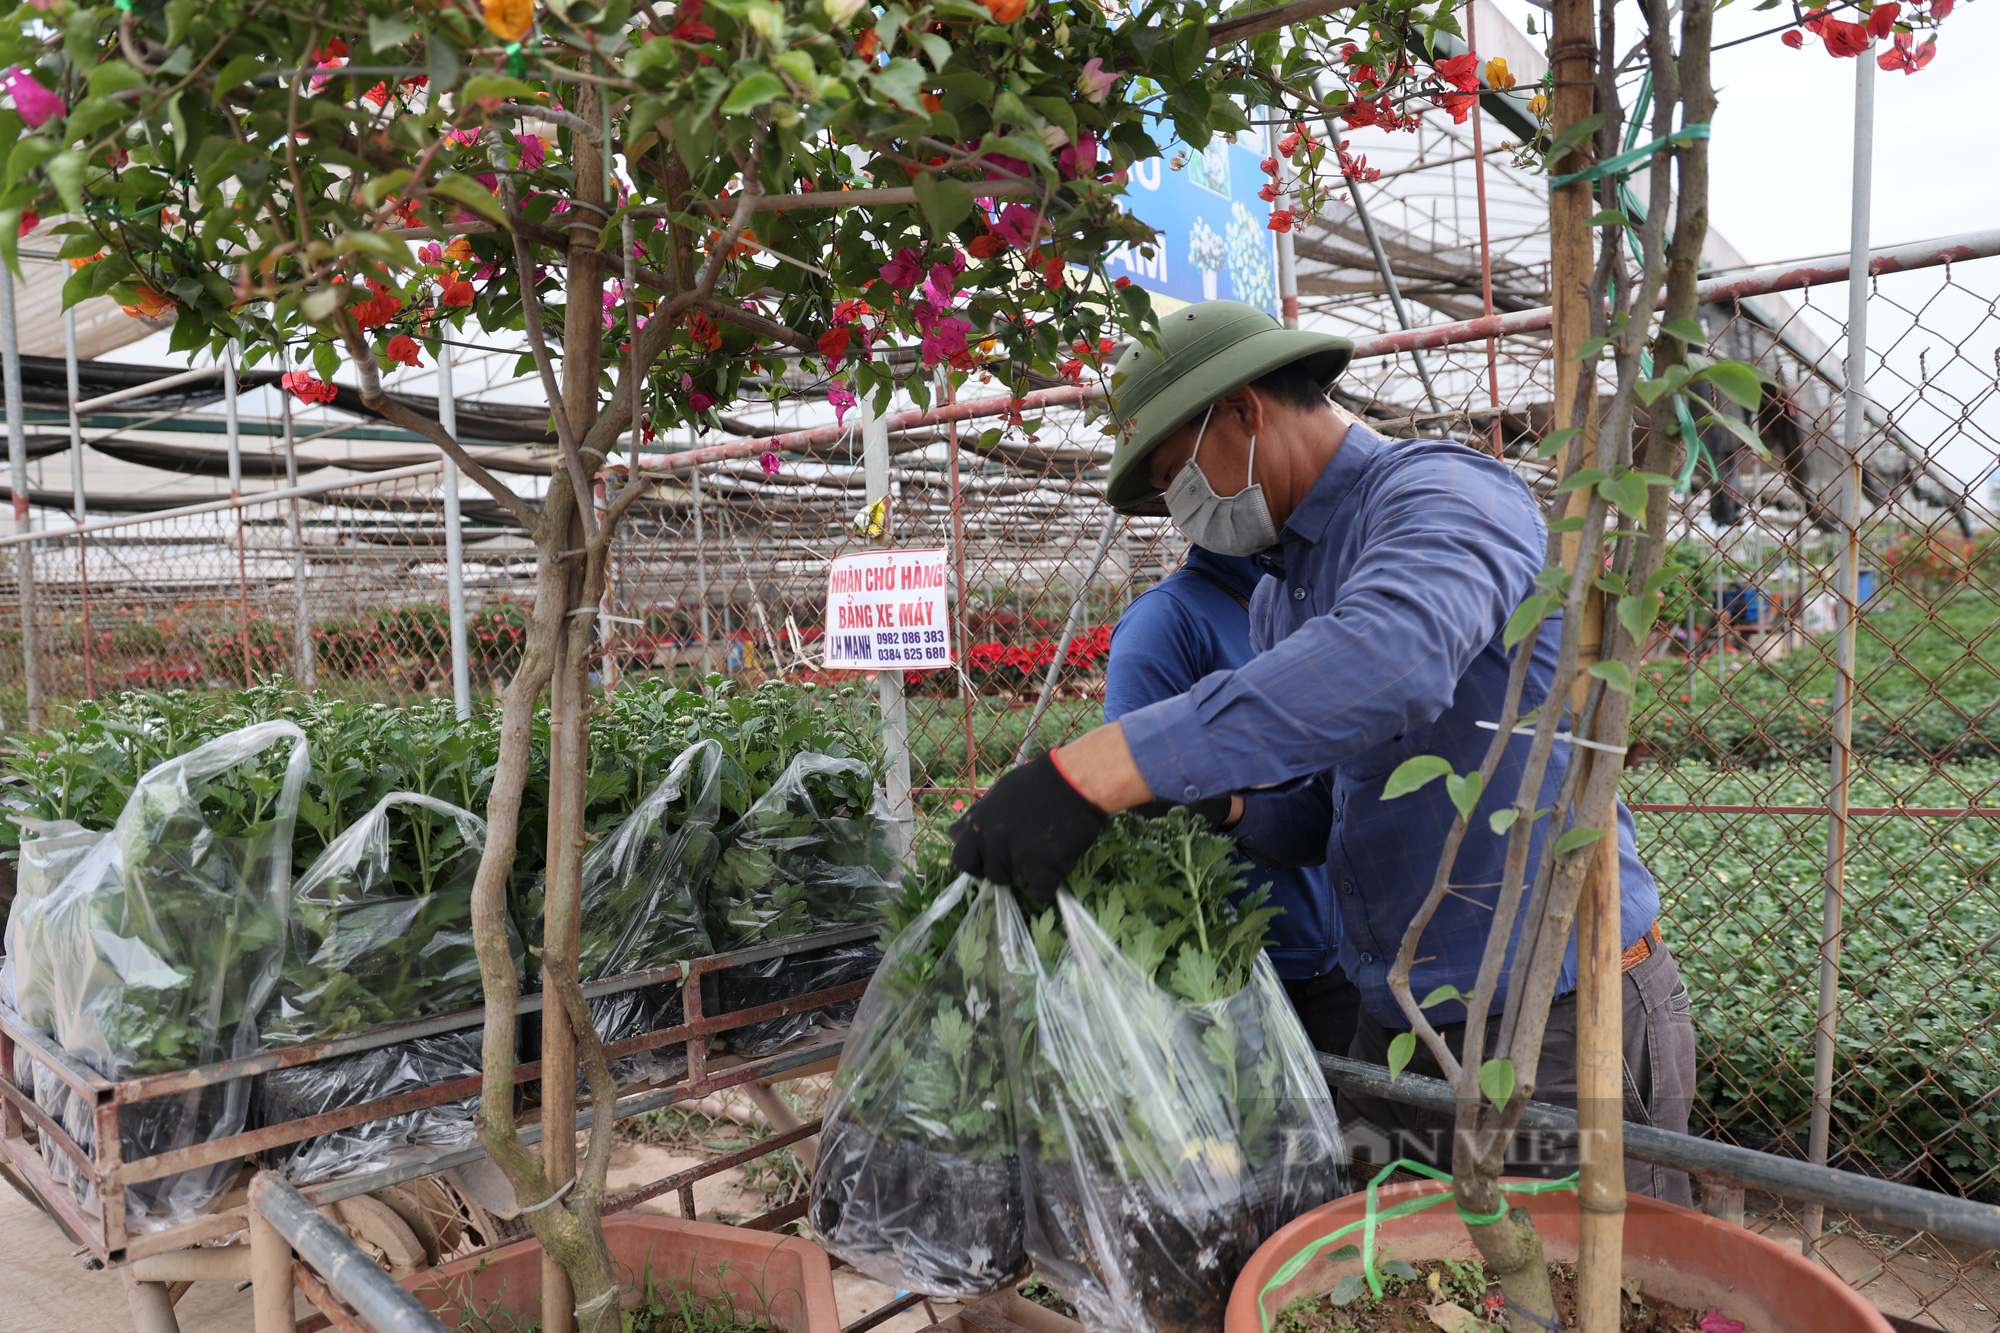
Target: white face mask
[1238,524]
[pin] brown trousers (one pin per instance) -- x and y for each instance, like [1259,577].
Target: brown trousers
[1659,1086]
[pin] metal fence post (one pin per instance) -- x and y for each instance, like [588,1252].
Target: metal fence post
[232,422]
[454,543]
[1288,271]
[17,463]
[77,503]
[701,568]
[1846,608]
[301,614]
[888,684]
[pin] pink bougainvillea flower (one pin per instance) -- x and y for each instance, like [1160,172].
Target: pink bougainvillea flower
[1096,82]
[905,271]
[463,138]
[1080,158]
[432,253]
[944,339]
[942,282]
[1715,1323]
[701,401]
[1001,167]
[36,104]
[533,151]
[839,397]
[769,462]
[1017,225]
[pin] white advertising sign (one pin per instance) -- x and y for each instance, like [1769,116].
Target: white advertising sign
[885,611]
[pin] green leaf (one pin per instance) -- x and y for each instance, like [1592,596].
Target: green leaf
[1553,442]
[1688,331]
[379,188]
[1627,491]
[1741,429]
[1574,523]
[1350,1288]
[1464,791]
[389,30]
[1610,217]
[1591,347]
[902,82]
[28,154]
[752,91]
[1615,675]
[482,86]
[1343,1253]
[1573,134]
[1502,820]
[239,70]
[114,76]
[1402,1049]
[1496,1080]
[1743,385]
[1413,773]
[945,203]
[1440,996]
[1399,1270]
[1635,613]
[1527,616]
[1586,476]
[65,172]
[1575,838]
[472,194]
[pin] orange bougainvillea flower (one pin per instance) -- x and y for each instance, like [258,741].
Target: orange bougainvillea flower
[149,305]
[932,102]
[457,291]
[866,47]
[1497,75]
[460,250]
[403,349]
[1006,11]
[509,20]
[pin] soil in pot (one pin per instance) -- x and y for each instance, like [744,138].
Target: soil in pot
[1458,1296]
[904,1213]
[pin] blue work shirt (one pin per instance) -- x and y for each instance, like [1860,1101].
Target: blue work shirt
[1179,630]
[1381,639]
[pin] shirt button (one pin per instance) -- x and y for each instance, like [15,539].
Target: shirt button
[1191,792]
[1347,886]
[1367,957]
[1298,594]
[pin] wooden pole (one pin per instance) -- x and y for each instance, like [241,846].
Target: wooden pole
[1600,1013]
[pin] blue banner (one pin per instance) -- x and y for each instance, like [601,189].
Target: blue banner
[1214,235]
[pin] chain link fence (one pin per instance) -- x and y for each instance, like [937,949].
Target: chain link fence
[723,568]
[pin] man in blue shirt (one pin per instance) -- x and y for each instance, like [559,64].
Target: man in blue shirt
[1193,622]
[1396,566]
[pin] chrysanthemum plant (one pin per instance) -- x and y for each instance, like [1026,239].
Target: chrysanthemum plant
[621,184]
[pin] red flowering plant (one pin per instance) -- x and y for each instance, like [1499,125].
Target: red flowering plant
[1876,21]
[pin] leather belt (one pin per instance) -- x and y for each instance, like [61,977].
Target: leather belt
[1642,950]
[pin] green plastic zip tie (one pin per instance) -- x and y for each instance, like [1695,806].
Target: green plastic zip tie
[1374,1215]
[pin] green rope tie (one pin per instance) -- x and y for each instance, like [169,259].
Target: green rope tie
[1374,1215]
[517,60]
[1622,164]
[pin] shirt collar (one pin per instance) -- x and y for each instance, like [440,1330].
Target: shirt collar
[1359,449]
[1236,571]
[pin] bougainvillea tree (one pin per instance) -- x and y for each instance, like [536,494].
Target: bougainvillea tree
[663,203]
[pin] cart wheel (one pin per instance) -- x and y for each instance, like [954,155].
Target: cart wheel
[376,1224]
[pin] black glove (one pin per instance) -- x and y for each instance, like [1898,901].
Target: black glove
[1027,831]
[1210,810]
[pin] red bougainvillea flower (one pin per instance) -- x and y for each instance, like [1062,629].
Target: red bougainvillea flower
[1461,72]
[1882,19]
[1052,274]
[457,291]
[1281,219]
[690,28]
[985,247]
[1269,194]
[1269,166]
[846,312]
[1794,39]
[1902,56]
[403,349]
[379,309]
[1006,11]
[833,343]
[305,388]
[29,221]
[1459,105]
[769,462]
[904,271]
[36,104]
[702,329]
[1122,283]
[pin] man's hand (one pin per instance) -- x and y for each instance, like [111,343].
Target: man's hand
[1027,831]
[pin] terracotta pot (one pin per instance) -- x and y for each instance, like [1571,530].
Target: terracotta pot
[1677,1254]
[780,1279]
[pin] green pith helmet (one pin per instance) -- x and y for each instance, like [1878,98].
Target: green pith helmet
[1206,351]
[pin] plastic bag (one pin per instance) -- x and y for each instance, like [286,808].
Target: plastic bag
[163,943]
[349,1080]
[1161,1142]
[367,948]
[813,853]
[641,905]
[749,985]
[50,849]
[917,1182]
